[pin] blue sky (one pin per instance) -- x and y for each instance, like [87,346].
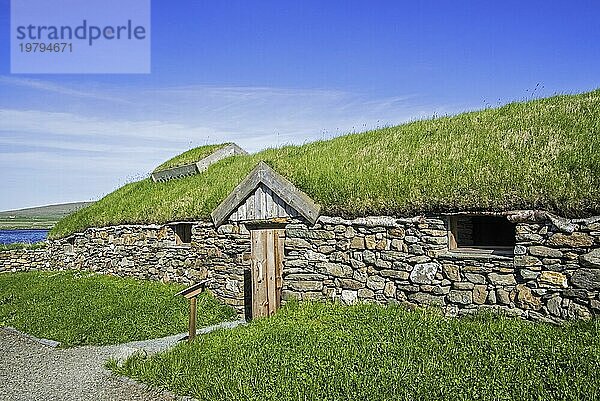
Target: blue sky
[268,73]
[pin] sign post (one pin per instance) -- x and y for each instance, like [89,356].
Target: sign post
[192,293]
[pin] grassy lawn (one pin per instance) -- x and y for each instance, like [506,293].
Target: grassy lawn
[541,154]
[80,308]
[367,352]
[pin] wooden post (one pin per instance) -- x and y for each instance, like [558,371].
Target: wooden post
[192,293]
[192,325]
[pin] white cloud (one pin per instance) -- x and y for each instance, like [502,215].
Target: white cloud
[68,124]
[75,164]
[64,90]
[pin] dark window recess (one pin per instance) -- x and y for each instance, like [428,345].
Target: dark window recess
[69,248]
[183,233]
[481,232]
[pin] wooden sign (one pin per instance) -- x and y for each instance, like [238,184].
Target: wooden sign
[192,293]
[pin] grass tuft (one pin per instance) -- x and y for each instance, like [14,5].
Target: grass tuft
[23,245]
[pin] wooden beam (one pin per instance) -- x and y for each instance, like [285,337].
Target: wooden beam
[226,151]
[194,290]
[175,172]
[279,254]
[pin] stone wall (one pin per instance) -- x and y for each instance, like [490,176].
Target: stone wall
[553,275]
[24,260]
[151,252]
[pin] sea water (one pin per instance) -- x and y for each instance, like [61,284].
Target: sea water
[26,236]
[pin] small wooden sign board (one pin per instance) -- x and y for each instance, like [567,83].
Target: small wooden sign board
[192,293]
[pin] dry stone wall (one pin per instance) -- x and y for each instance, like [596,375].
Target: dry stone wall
[151,252]
[553,275]
[24,260]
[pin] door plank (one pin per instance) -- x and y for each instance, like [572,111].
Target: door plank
[264,288]
[254,275]
[279,253]
[259,299]
[270,272]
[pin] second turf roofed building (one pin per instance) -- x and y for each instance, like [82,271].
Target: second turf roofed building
[195,161]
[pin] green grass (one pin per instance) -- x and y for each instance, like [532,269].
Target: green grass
[84,308]
[539,154]
[22,245]
[189,157]
[367,352]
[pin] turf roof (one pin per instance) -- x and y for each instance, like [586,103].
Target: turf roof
[541,154]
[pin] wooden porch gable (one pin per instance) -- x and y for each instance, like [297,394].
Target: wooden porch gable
[264,195]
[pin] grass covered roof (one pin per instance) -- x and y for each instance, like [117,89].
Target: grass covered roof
[191,156]
[541,154]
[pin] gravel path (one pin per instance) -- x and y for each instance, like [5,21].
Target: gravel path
[30,370]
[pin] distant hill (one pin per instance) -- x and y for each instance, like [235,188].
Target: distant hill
[42,217]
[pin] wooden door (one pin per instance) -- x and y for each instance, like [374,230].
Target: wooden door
[267,261]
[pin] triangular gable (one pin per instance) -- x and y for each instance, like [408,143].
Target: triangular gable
[265,183]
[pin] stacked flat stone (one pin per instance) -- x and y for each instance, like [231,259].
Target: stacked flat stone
[552,276]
